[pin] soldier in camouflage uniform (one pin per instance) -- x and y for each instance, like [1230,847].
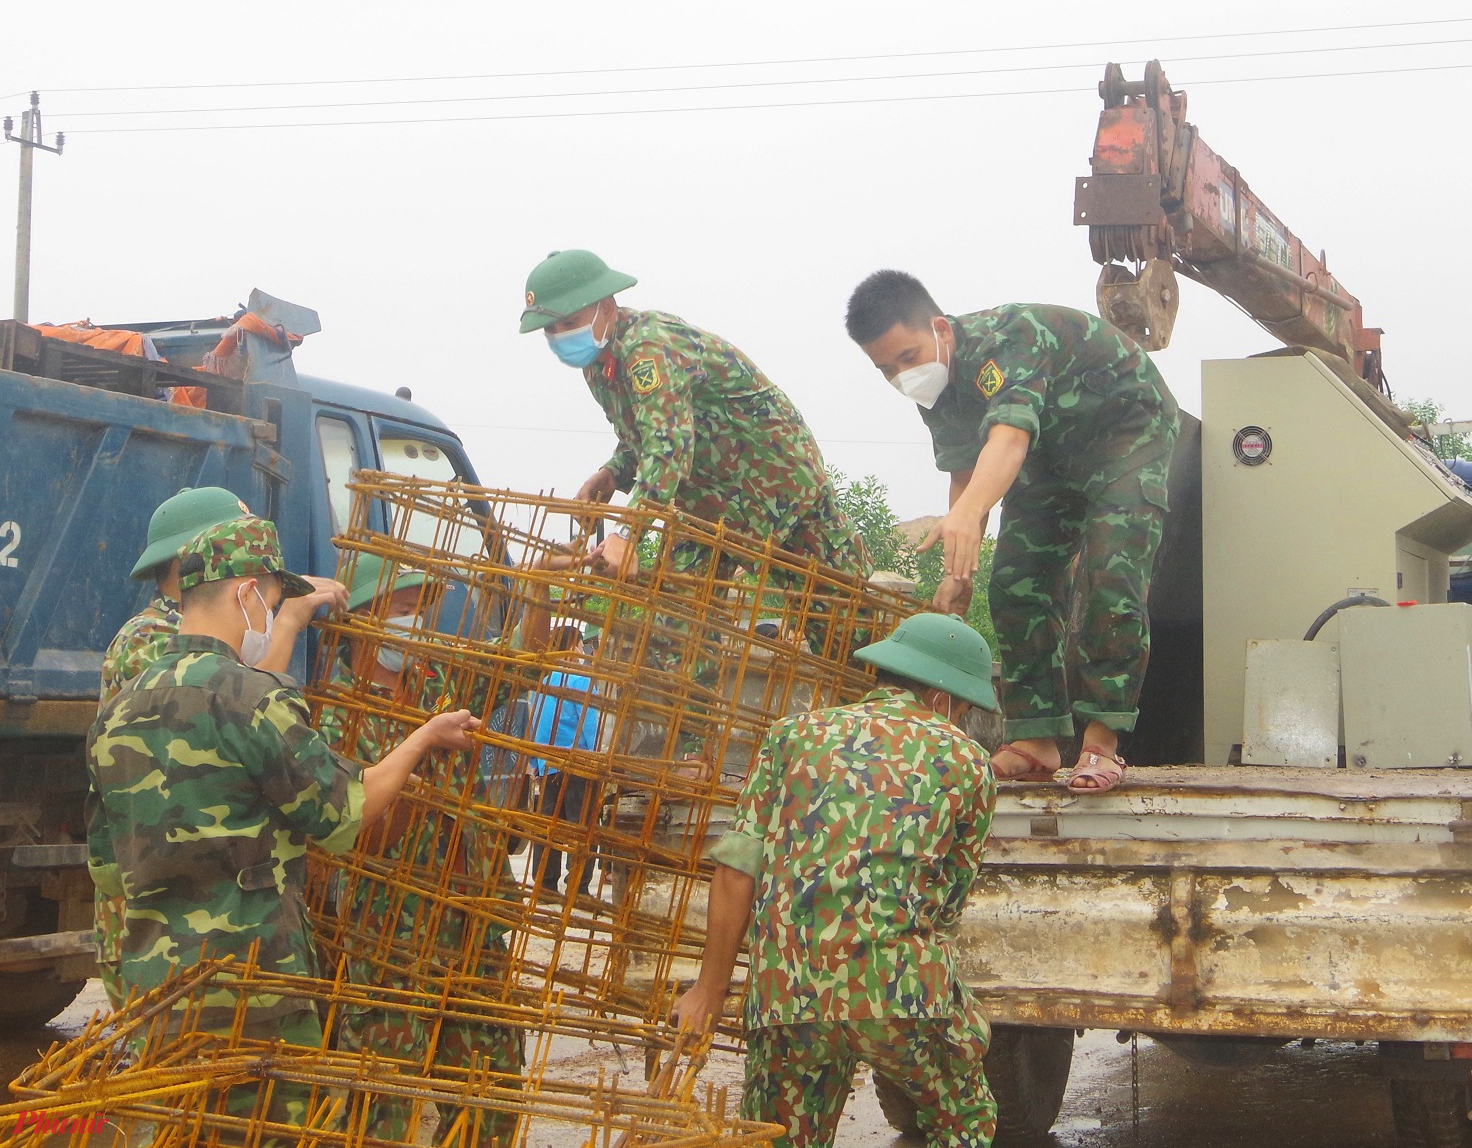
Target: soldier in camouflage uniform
[136,645]
[699,428]
[855,842]
[1067,417]
[143,637]
[208,784]
[377,912]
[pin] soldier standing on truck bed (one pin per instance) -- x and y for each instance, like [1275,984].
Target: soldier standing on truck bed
[174,524]
[854,844]
[699,426]
[208,785]
[1067,418]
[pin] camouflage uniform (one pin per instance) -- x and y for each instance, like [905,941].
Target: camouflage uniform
[1102,426]
[863,827]
[137,645]
[377,911]
[208,786]
[701,428]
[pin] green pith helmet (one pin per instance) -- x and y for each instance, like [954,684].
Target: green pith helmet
[240,548]
[368,581]
[568,281]
[180,518]
[941,651]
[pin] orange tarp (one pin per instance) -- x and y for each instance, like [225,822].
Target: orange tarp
[124,342]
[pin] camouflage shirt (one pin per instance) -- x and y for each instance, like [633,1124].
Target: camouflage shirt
[863,827]
[700,427]
[208,785]
[1089,398]
[138,643]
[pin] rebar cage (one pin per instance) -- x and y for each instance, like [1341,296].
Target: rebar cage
[697,654]
[156,1073]
[619,717]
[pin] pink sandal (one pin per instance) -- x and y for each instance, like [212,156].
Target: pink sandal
[1105,770]
[1035,771]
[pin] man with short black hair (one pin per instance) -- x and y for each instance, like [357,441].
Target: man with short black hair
[1067,417]
[855,842]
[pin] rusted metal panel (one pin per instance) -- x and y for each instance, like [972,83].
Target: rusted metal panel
[1358,934]
[1101,200]
[1198,804]
[45,718]
[1311,954]
[44,948]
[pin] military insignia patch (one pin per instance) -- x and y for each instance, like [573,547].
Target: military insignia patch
[646,376]
[531,298]
[990,380]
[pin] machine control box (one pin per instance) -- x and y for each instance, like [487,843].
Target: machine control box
[1406,673]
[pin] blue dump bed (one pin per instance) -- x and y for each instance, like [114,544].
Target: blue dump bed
[88,451]
[81,471]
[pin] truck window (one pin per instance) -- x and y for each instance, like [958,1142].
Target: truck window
[339,461]
[416,457]
[404,452]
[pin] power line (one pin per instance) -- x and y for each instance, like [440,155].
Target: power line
[756,63]
[744,107]
[740,85]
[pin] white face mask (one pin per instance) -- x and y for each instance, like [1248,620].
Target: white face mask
[924,384]
[255,644]
[391,659]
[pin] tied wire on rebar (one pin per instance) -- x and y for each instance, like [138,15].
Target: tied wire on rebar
[162,1075]
[698,653]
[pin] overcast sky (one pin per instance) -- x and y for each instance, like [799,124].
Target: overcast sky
[413,240]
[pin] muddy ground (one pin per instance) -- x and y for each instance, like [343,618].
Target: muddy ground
[1330,1096]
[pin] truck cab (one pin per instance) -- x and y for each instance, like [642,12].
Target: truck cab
[90,445]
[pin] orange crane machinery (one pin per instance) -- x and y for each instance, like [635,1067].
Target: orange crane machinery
[1160,201]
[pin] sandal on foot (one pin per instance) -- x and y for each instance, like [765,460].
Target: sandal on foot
[1104,770]
[1035,771]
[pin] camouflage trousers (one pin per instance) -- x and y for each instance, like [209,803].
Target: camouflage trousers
[822,532]
[1054,535]
[800,1075]
[430,1040]
[108,915]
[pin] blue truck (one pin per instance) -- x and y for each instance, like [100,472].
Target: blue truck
[89,446]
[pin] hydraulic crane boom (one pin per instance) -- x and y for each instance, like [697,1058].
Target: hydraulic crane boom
[1161,199]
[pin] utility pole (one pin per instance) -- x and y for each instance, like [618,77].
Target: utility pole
[29,140]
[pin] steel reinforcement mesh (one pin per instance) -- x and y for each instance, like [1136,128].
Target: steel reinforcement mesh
[156,1073]
[696,655]
[444,913]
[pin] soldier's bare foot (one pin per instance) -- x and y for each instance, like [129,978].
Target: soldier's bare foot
[1028,759]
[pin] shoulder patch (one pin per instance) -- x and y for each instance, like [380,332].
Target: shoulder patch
[990,379]
[646,376]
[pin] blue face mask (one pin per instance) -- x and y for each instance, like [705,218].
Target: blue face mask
[577,348]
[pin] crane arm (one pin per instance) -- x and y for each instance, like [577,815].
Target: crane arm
[1161,199]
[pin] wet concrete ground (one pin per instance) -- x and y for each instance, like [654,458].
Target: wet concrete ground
[1330,1096]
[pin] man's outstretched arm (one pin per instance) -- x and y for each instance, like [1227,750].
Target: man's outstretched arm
[727,914]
